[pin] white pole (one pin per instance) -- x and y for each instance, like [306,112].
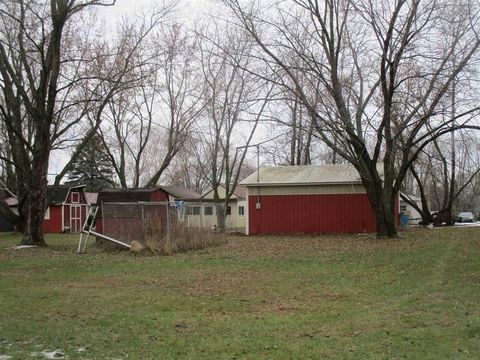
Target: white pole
[168,224]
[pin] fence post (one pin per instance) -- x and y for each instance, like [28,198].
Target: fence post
[168,223]
[143,223]
[201,215]
[103,219]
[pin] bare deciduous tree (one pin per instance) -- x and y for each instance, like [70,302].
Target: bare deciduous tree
[189,166]
[50,82]
[440,188]
[148,125]
[382,70]
[235,101]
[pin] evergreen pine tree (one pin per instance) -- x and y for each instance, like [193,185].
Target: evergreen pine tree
[92,168]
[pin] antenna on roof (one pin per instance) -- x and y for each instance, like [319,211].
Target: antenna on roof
[258,163]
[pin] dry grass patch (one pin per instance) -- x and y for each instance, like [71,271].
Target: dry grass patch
[278,246]
[241,282]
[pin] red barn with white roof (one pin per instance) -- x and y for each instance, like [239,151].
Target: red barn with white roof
[67,209]
[308,199]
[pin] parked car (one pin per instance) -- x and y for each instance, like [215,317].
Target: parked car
[466,217]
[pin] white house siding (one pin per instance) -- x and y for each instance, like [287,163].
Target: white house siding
[241,220]
[234,220]
[413,215]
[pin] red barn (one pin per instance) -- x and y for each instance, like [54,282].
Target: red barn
[67,209]
[308,199]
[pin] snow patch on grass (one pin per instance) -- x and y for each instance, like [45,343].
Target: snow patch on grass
[56,354]
[468,224]
[19,247]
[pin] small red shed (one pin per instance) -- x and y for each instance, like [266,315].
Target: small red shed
[308,199]
[67,209]
[128,225]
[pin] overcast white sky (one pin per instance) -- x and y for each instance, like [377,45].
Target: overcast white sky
[186,10]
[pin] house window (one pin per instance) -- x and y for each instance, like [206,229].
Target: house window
[241,210]
[208,210]
[193,210]
[229,210]
[75,197]
[47,214]
[403,208]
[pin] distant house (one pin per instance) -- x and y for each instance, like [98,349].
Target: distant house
[308,199]
[204,214]
[176,193]
[413,215]
[67,209]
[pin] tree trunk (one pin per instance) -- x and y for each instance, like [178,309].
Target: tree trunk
[33,213]
[385,218]
[383,204]
[32,229]
[424,211]
[221,211]
[385,223]
[33,208]
[427,218]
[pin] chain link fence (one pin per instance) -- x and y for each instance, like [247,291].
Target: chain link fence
[165,227]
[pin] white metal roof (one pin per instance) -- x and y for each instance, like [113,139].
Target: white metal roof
[306,175]
[240,192]
[91,197]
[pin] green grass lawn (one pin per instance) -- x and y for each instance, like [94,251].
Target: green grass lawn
[344,297]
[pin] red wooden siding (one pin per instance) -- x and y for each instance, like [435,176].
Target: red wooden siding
[326,213]
[82,199]
[79,223]
[54,224]
[66,216]
[159,195]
